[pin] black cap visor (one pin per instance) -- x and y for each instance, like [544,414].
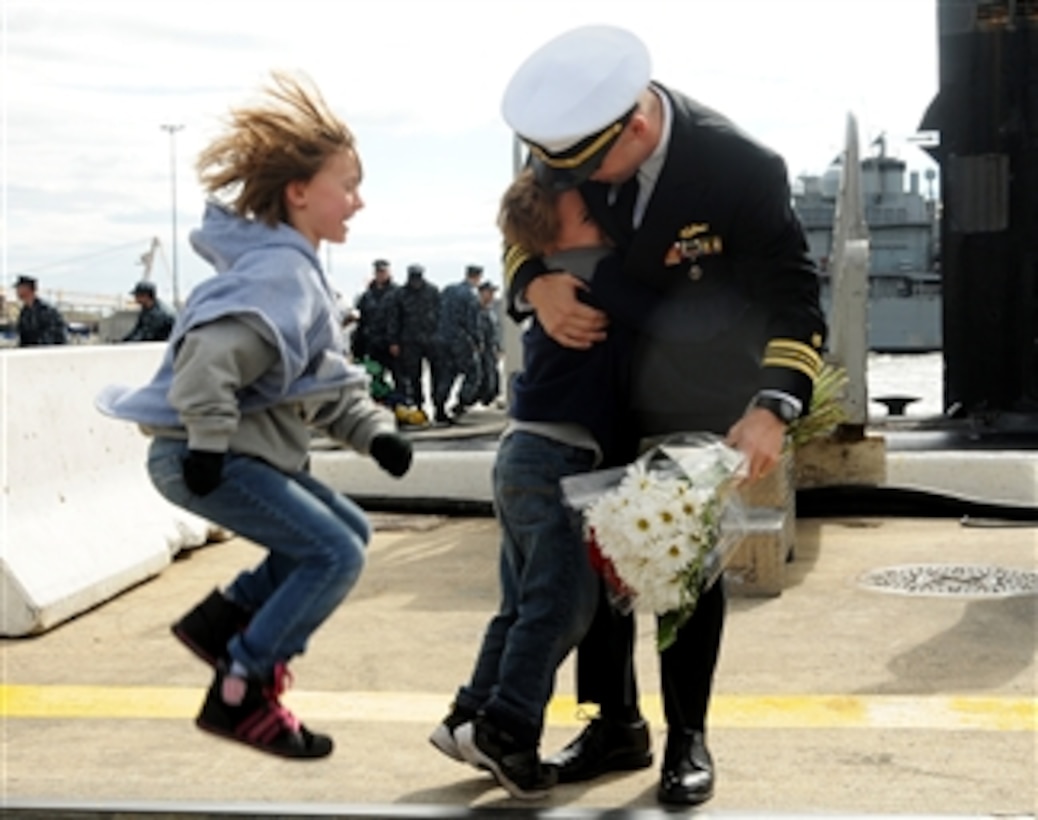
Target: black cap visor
[573,167]
[563,179]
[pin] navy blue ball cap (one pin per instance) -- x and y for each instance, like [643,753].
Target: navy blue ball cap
[570,100]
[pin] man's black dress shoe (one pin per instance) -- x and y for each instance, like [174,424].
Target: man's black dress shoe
[688,770]
[604,746]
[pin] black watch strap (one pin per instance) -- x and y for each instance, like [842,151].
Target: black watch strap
[784,411]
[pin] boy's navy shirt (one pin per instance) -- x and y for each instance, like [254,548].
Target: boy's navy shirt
[590,387]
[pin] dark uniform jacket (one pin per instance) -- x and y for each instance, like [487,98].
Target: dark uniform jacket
[41,324]
[719,239]
[416,314]
[154,324]
[489,332]
[459,316]
[375,305]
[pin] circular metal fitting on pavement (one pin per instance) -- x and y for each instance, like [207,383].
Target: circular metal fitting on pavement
[952,580]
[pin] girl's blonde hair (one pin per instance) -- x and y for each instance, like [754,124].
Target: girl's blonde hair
[286,137]
[528,217]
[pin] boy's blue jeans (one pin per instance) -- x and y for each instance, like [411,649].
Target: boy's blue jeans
[315,538]
[549,590]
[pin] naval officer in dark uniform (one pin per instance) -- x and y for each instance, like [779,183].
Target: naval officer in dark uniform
[701,212]
[39,322]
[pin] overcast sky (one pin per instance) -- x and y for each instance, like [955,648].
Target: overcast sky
[87,85]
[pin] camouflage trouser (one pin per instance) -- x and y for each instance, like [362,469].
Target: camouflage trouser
[453,359]
[490,383]
[409,369]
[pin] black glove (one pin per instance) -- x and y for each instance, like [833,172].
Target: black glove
[392,452]
[202,471]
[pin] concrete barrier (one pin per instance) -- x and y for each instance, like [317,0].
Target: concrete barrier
[81,520]
[435,475]
[996,477]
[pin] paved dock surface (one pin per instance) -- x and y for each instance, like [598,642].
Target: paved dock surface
[830,699]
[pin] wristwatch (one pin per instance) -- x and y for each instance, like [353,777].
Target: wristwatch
[784,411]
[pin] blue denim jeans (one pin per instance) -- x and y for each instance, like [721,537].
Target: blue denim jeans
[549,590]
[315,539]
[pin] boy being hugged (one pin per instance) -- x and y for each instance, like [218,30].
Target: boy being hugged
[568,414]
[255,360]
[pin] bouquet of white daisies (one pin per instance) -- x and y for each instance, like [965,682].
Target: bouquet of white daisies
[661,530]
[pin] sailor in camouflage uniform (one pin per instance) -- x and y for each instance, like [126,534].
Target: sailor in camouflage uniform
[371,338]
[155,321]
[412,331]
[457,345]
[39,322]
[489,344]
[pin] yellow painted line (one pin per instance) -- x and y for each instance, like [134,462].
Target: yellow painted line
[989,714]
[98,701]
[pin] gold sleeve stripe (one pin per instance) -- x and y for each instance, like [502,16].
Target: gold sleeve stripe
[794,355]
[791,347]
[813,363]
[793,344]
[791,364]
[514,257]
[511,251]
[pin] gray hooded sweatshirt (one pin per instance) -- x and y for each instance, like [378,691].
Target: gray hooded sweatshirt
[256,357]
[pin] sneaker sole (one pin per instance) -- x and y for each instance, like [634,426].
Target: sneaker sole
[225,735]
[443,741]
[466,740]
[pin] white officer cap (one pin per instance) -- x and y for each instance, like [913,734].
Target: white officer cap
[570,100]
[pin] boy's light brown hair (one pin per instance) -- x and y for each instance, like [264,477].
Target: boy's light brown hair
[528,216]
[285,137]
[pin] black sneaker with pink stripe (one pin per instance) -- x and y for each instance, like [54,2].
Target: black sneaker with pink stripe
[260,720]
[207,628]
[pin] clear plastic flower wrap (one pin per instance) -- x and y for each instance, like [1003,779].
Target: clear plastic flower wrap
[662,529]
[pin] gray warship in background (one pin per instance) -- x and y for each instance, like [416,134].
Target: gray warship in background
[904,311]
